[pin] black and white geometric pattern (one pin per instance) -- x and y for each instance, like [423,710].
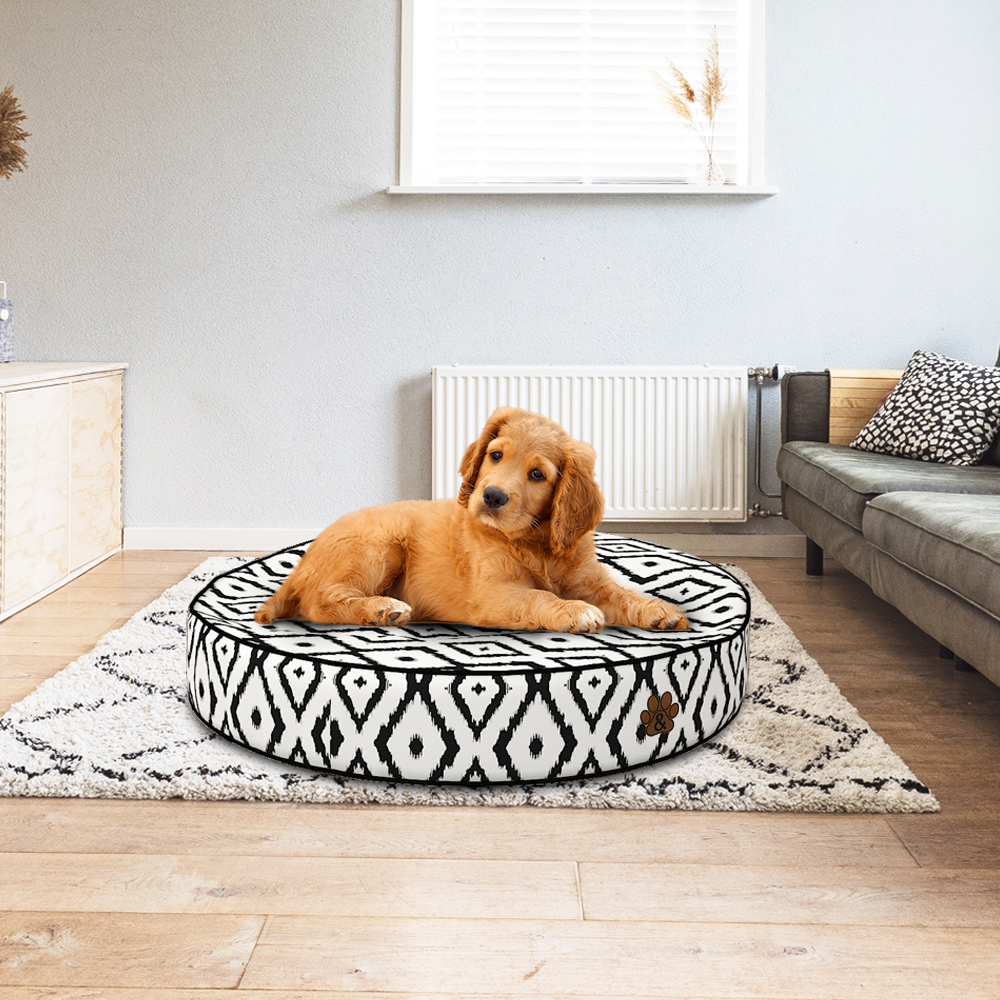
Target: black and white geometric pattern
[941,410]
[117,724]
[457,704]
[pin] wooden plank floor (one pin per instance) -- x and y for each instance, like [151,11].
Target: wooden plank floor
[182,900]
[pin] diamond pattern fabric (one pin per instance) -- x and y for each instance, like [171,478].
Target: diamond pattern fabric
[457,704]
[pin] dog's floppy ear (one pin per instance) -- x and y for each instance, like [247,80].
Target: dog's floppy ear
[474,454]
[577,504]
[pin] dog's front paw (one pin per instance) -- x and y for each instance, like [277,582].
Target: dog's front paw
[578,616]
[388,611]
[658,615]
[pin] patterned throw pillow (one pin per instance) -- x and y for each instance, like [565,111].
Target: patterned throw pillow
[942,410]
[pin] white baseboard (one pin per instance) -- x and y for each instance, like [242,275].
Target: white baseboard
[220,539]
[271,539]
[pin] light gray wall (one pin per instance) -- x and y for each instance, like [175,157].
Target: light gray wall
[204,200]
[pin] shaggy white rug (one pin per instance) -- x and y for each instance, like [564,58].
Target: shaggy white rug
[116,724]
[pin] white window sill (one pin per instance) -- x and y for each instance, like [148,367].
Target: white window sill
[671,189]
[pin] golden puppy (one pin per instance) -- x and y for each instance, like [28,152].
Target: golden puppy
[516,550]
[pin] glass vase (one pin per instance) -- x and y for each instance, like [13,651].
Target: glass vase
[709,174]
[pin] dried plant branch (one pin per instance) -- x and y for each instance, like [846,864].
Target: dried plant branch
[680,97]
[679,103]
[12,155]
[686,89]
[713,92]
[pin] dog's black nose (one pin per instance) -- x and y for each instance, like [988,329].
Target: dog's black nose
[494,498]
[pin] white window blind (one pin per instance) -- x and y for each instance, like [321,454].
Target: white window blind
[561,91]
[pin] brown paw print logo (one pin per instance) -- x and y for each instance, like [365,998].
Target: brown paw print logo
[660,716]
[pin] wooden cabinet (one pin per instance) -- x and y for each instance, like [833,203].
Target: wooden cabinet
[60,474]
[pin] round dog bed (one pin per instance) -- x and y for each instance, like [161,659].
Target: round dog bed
[457,704]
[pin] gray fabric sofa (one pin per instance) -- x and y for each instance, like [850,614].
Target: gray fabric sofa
[925,537]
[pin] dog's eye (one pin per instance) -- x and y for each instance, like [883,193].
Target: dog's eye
[496,455]
[536,474]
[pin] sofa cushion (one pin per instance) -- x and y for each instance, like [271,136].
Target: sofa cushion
[842,480]
[953,539]
[805,406]
[942,410]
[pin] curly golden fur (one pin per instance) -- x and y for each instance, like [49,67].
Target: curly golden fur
[516,551]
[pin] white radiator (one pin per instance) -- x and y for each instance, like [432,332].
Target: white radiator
[670,441]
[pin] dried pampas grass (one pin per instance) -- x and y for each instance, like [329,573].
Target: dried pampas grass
[680,96]
[12,155]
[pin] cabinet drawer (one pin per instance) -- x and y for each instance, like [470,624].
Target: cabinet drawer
[96,484]
[36,490]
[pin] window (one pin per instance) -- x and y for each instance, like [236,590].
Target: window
[543,94]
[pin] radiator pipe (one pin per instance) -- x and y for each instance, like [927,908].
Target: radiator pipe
[758,375]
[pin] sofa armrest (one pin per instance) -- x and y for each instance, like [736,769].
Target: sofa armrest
[805,406]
